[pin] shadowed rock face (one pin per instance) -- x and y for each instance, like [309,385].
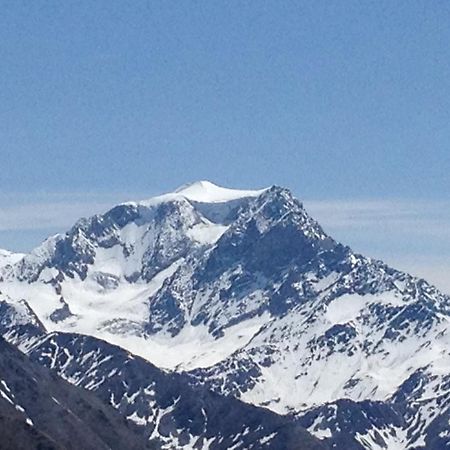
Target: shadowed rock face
[40,410]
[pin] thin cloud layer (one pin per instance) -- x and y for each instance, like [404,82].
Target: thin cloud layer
[411,235]
[45,211]
[417,217]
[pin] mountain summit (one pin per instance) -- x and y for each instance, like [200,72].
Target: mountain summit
[207,192]
[246,294]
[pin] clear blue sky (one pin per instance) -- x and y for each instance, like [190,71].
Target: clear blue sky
[334,99]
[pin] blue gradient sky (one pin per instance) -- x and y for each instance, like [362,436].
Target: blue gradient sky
[343,101]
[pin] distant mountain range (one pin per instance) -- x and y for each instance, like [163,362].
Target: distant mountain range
[215,318]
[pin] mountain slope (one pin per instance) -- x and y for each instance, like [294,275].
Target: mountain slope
[172,411]
[40,410]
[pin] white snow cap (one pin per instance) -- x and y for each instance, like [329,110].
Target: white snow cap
[200,191]
[207,192]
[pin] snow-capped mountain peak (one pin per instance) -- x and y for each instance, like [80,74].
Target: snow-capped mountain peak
[199,192]
[207,192]
[246,292]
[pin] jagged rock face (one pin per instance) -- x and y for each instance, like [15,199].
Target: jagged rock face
[246,293]
[240,276]
[147,239]
[274,232]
